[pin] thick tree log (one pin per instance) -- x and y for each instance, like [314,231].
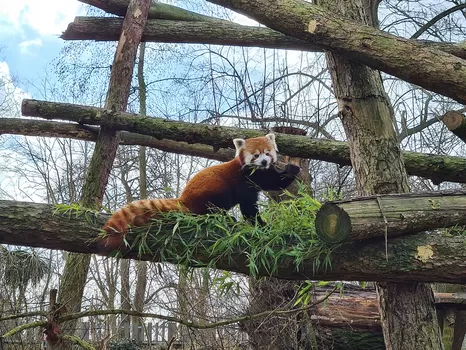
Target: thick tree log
[165,31]
[432,69]
[358,309]
[437,168]
[420,257]
[456,123]
[392,214]
[212,31]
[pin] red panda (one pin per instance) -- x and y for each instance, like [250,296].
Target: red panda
[238,181]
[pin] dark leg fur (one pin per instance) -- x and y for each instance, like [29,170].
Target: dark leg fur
[250,212]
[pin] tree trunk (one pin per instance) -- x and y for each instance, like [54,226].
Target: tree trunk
[76,267]
[367,118]
[141,266]
[268,293]
[125,299]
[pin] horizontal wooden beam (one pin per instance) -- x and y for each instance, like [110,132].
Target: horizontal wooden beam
[166,31]
[45,128]
[434,167]
[420,257]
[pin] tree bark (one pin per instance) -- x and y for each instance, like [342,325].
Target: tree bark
[157,10]
[391,215]
[166,31]
[76,267]
[367,117]
[432,69]
[209,31]
[436,168]
[29,127]
[456,123]
[125,299]
[357,308]
[419,257]
[141,266]
[275,332]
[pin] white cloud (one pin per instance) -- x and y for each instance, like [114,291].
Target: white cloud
[10,94]
[46,17]
[26,45]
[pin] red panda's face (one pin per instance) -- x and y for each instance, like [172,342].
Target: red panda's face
[260,152]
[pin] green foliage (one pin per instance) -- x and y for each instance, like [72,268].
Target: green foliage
[288,237]
[76,211]
[125,344]
[332,194]
[225,284]
[455,231]
[20,267]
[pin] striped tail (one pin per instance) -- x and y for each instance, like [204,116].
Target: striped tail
[136,213]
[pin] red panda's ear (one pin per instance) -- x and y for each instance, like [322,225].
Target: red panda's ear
[271,138]
[239,145]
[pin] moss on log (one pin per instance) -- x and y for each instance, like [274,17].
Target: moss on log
[177,29]
[434,167]
[157,10]
[420,257]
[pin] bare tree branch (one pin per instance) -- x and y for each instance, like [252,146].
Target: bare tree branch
[437,18]
[445,74]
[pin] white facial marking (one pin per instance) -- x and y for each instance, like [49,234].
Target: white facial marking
[260,160]
[271,138]
[239,145]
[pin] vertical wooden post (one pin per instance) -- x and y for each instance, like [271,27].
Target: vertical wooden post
[459,330]
[171,330]
[77,265]
[149,334]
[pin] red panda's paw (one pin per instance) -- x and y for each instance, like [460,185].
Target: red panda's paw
[292,169]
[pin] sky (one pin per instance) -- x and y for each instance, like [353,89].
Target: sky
[29,34]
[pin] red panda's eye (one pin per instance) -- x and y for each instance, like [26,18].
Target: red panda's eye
[267,154]
[256,155]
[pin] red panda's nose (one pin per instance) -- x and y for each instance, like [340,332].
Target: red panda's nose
[264,162]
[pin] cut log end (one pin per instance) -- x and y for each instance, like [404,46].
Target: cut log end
[453,120]
[333,224]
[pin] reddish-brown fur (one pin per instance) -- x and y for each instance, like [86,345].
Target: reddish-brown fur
[196,197]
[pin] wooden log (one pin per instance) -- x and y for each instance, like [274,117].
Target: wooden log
[357,308]
[228,33]
[421,257]
[394,215]
[44,128]
[167,31]
[157,10]
[437,168]
[456,123]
